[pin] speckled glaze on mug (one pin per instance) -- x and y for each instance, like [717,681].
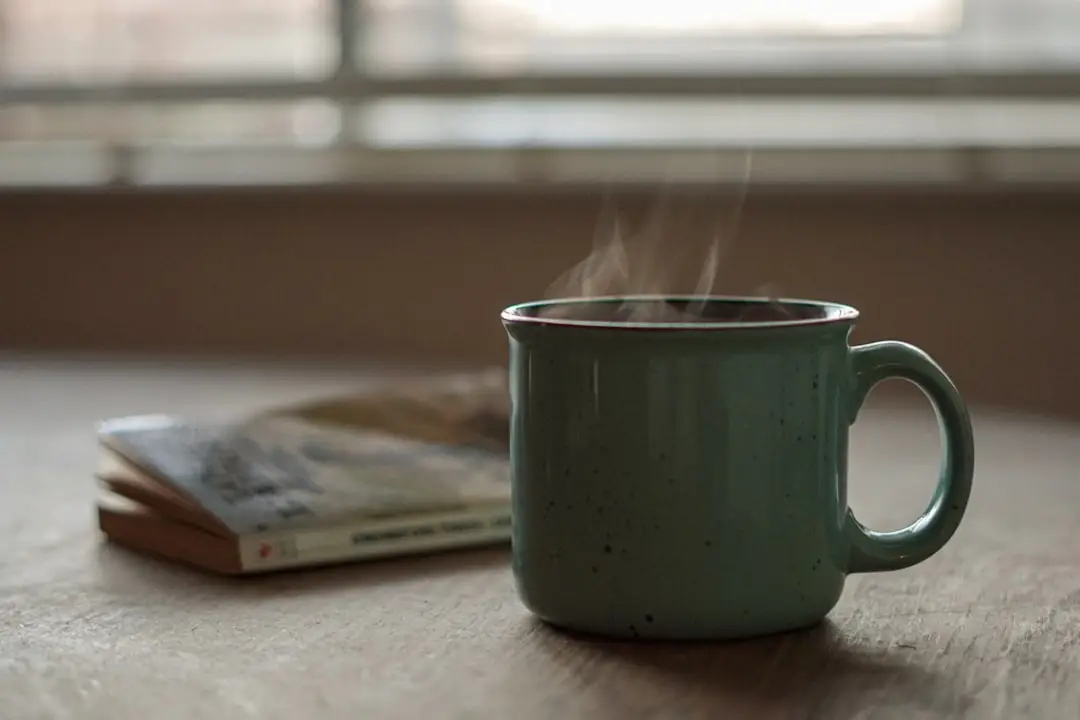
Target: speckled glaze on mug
[688,480]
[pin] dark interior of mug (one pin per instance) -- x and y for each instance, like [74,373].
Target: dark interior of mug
[660,310]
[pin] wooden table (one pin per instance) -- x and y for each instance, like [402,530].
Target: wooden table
[988,628]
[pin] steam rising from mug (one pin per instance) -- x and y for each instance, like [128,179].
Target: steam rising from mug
[673,241]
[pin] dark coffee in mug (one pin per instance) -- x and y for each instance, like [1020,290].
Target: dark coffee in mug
[620,310]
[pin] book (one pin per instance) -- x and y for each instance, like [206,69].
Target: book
[410,467]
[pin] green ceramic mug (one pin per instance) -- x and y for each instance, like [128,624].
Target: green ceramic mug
[687,479]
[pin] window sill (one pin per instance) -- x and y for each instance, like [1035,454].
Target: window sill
[87,166]
[516,142]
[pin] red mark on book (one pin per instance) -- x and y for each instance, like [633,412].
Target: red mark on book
[265,549]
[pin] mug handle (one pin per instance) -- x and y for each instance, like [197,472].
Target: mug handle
[872,551]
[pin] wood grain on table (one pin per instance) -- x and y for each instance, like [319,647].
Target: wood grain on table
[988,628]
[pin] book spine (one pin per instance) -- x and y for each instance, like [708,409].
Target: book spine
[360,542]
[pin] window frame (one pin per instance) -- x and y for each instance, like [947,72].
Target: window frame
[349,158]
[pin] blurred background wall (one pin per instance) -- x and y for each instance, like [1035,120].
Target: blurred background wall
[984,282]
[378,178]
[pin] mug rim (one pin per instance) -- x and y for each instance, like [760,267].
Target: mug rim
[833,313]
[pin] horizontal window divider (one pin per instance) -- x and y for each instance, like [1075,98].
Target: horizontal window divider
[358,87]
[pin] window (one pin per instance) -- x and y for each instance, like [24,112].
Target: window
[602,36]
[151,92]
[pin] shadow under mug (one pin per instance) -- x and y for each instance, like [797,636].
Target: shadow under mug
[687,478]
